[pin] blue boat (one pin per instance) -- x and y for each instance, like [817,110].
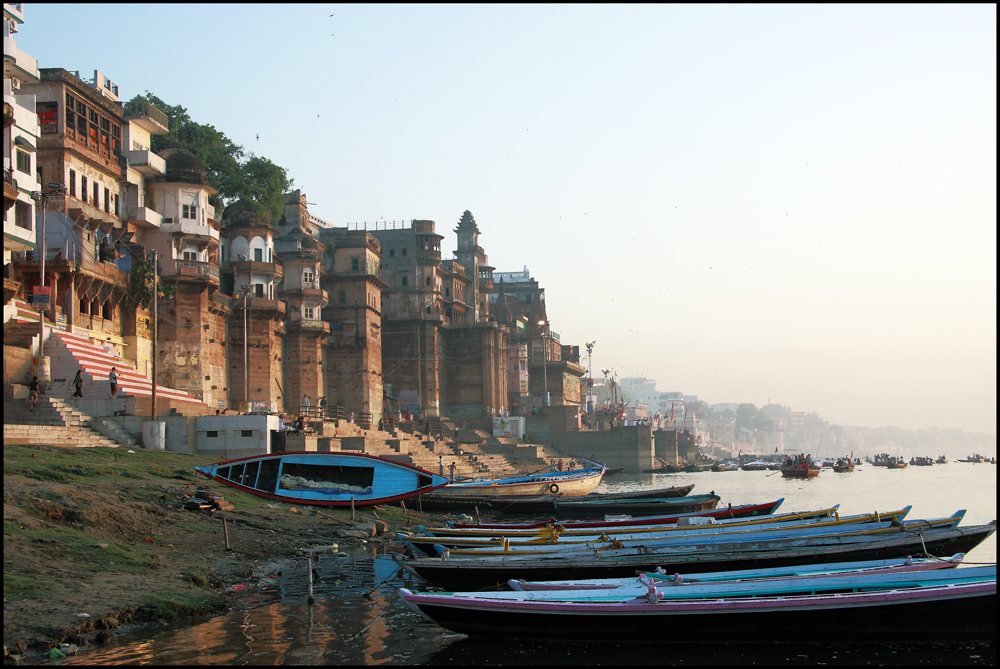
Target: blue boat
[324,479]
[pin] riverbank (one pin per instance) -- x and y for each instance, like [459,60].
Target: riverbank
[98,538]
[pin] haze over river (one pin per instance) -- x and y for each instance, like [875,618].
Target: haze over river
[342,627]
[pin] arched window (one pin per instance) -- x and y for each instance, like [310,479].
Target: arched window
[404,282]
[428,309]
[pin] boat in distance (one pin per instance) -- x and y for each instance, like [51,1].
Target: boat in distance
[324,479]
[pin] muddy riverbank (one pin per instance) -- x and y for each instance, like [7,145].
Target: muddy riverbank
[97,540]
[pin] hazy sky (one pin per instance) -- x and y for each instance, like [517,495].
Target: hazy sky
[746,203]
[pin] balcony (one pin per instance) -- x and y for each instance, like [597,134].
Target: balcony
[146,162]
[428,257]
[17,64]
[255,267]
[144,217]
[147,117]
[191,269]
[308,296]
[9,189]
[309,325]
[264,304]
[189,228]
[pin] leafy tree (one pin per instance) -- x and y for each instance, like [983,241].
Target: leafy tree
[750,417]
[229,169]
[140,283]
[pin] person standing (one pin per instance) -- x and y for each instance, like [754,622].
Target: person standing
[451,470]
[32,393]
[113,377]
[78,384]
[305,404]
[440,463]
[322,406]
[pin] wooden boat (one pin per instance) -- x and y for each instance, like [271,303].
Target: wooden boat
[738,512]
[468,573]
[921,461]
[947,612]
[674,588]
[651,537]
[543,503]
[575,483]
[799,472]
[573,507]
[701,538]
[612,471]
[755,466]
[843,466]
[745,574]
[897,464]
[324,479]
[711,524]
[725,467]
[941,460]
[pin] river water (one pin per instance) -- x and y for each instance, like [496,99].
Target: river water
[277,626]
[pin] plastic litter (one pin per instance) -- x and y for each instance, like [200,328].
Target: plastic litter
[83,615]
[56,654]
[238,587]
[131,451]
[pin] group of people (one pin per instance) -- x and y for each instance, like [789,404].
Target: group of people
[34,387]
[798,462]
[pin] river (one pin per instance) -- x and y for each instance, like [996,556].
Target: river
[277,626]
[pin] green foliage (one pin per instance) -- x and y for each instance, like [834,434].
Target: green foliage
[236,174]
[750,417]
[140,283]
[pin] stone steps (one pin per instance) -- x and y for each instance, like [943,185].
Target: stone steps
[55,435]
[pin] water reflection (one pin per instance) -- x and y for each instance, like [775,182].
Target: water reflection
[277,626]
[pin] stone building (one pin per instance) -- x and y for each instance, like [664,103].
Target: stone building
[191,339]
[252,271]
[352,358]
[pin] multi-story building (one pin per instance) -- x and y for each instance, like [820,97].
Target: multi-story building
[191,340]
[80,147]
[352,360]
[252,271]
[20,141]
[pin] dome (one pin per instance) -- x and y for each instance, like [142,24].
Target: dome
[183,165]
[245,214]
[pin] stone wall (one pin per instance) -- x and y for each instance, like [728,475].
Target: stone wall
[16,363]
[631,447]
[665,445]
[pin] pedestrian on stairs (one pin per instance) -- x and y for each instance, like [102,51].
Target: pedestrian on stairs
[113,377]
[78,383]
[32,393]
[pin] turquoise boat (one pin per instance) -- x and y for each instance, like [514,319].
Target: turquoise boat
[324,479]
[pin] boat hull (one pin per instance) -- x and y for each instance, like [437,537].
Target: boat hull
[935,614]
[573,507]
[799,473]
[564,484]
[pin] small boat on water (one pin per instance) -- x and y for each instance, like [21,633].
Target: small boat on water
[844,465]
[933,611]
[921,461]
[799,472]
[941,460]
[895,464]
[727,466]
[543,503]
[755,466]
[324,479]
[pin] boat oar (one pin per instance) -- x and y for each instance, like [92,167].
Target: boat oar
[368,595]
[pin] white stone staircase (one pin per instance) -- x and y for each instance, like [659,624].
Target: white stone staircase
[51,423]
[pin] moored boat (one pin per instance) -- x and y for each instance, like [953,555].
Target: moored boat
[324,479]
[755,466]
[966,610]
[574,483]
[799,472]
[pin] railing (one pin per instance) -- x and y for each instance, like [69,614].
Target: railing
[381,225]
[196,268]
[136,108]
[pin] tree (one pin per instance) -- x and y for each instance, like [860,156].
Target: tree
[140,283]
[236,175]
[750,417]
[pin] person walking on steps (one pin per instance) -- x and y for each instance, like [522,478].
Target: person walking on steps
[113,377]
[78,384]
[32,393]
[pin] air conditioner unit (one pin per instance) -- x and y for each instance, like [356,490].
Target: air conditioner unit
[13,26]
[168,220]
[15,84]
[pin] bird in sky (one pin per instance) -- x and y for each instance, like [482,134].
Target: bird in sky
[258,136]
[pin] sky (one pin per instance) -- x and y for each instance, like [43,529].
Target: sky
[786,204]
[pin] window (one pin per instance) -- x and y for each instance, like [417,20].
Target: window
[84,307]
[341,297]
[447,292]
[259,289]
[190,255]
[307,278]
[47,118]
[97,195]
[107,200]
[307,313]
[392,253]
[427,281]
[405,282]
[23,162]
[22,215]
[354,264]
[212,434]
[269,258]
[428,310]
[246,433]
[72,183]
[404,252]
[106,310]
[83,188]
[258,255]
[189,211]
[115,199]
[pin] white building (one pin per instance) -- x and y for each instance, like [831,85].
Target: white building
[20,124]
